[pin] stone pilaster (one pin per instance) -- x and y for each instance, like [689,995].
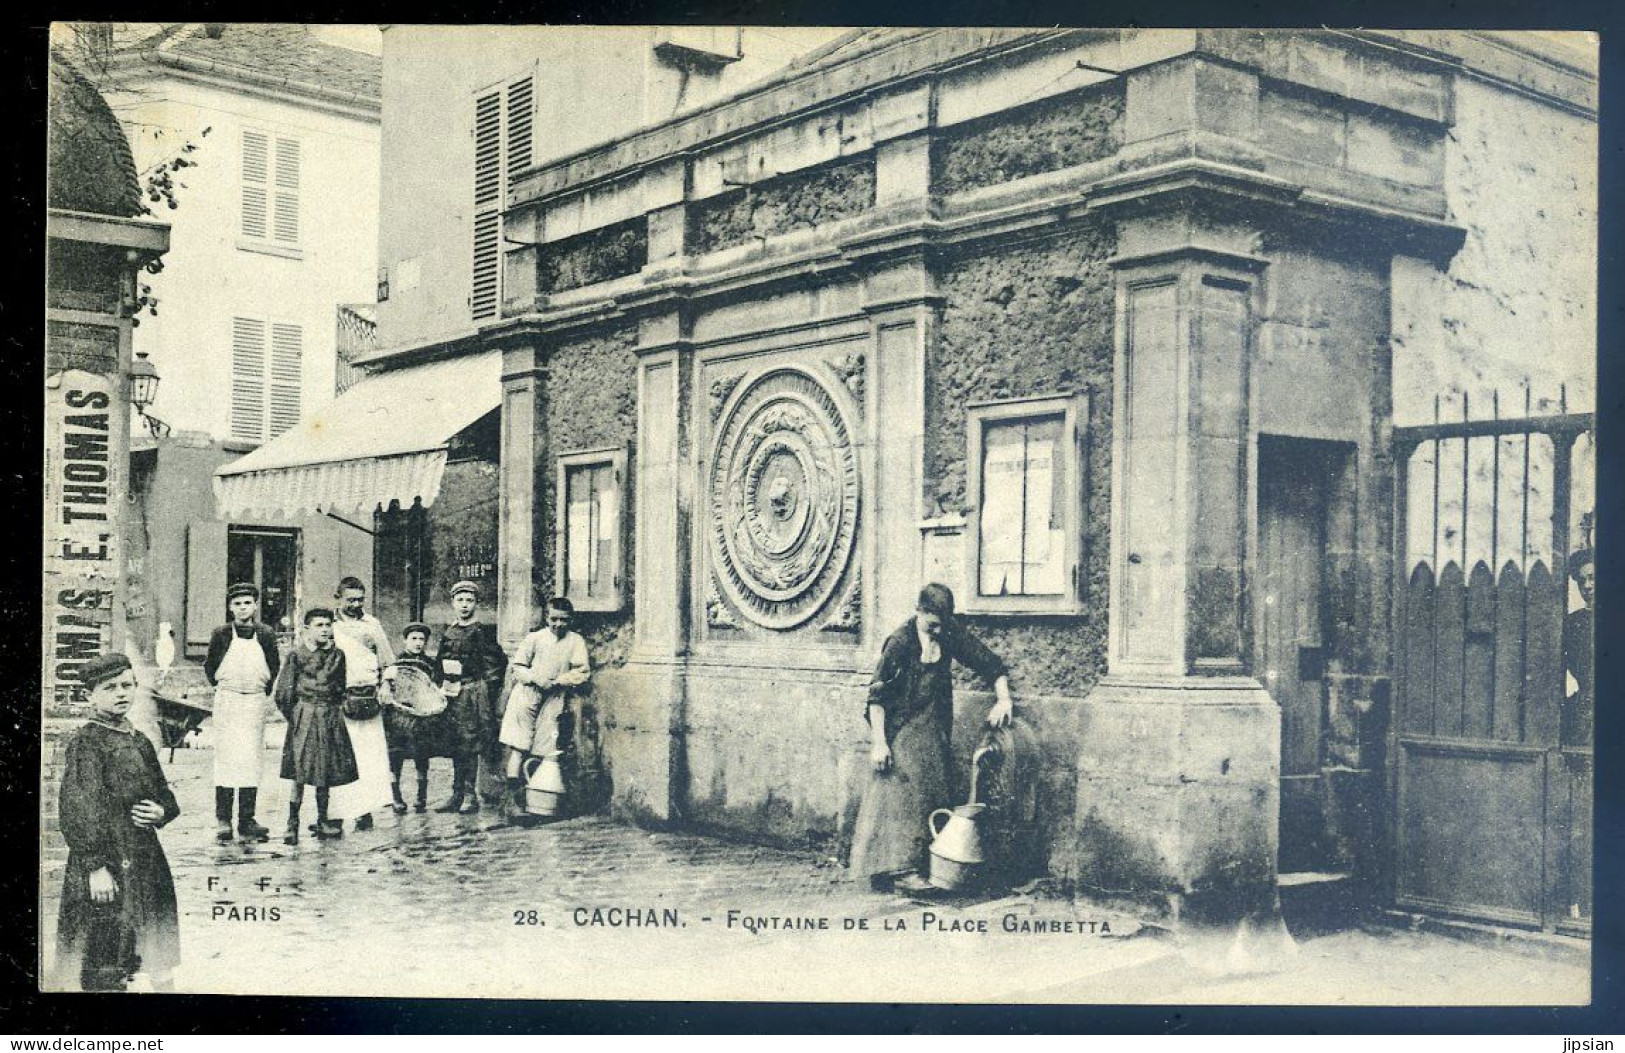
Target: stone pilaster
[1178,775]
[522,471]
[644,739]
[903,309]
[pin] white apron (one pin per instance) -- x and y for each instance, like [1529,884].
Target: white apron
[371,792]
[239,713]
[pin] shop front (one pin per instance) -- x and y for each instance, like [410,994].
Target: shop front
[404,460]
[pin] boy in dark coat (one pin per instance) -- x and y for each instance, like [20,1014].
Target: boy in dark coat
[118,914]
[472,665]
[317,751]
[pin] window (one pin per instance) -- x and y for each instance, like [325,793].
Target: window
[1026,491]
[588,528]
[268,559]
[267,370]
[270,203]
[504,120]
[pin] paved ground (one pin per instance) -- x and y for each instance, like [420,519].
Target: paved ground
[439,905]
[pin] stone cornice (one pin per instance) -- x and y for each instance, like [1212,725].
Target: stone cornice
[792,95]
[146,238]
[1217,257]
[1523,64]
[1188,182]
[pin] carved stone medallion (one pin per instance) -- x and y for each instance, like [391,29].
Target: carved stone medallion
[784,498]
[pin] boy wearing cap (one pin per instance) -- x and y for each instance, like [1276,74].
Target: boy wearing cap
[241,666]
[471,667]
[403,728]
[118,912]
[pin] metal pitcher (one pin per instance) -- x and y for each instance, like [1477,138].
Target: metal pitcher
[956,845]
[544,785]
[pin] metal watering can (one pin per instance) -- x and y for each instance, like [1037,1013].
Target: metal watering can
[544,785]
[956,841]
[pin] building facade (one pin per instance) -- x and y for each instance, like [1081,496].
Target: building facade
[269,136]
[467,107]
[1104,329]
[98,243]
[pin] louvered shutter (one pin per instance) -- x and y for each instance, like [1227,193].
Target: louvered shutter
[504,146]
[521,120]
[248,379]
[286,226]
[286,369]
[487,204]
[256,172]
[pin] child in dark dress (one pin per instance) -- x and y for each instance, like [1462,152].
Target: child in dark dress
[317,751]
[118,914]
[404,729]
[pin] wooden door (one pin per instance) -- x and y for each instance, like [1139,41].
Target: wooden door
[1291,634]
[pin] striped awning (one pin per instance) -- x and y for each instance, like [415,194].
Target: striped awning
[384,439]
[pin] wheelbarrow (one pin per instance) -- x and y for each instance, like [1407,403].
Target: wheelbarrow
[178,718]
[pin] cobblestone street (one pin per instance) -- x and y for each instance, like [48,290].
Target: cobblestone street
[442,905]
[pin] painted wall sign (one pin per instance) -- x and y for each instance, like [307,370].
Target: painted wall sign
[83,485]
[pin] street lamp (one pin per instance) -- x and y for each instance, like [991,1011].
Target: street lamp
[144,391]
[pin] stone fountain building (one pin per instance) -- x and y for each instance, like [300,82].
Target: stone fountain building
[1097,327]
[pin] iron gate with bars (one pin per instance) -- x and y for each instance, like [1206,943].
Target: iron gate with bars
[1490,761]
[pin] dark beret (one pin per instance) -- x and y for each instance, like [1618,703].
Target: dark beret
[101,669]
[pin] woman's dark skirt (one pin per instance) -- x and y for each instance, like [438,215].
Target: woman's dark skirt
[891,835]
[317,750]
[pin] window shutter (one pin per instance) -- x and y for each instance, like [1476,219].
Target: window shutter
[504,146]
[248,379]
[487,203]
[286,373]
[286,228]
[256,171]
[521,111]
[205,579]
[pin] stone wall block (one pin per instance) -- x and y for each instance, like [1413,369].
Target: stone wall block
[637,707]
[1226,100]
[1128,835]
[667,230]
[774,758]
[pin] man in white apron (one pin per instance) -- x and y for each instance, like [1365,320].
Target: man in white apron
[241,665]
[366,653]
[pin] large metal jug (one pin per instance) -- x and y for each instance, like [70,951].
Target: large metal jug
[956,845]
[544,785]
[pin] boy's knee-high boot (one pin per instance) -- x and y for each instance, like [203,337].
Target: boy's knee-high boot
[222,813]
[397,802]
[247,798]
[292,836]
[470,789]
[459,775]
